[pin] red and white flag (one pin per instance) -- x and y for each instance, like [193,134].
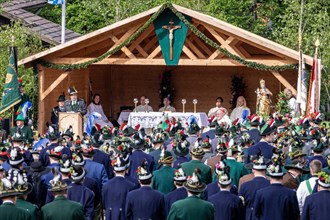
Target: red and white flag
[314,88]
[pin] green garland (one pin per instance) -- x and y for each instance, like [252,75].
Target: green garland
[241,60]
[250,64]
[35,98]
[68,67]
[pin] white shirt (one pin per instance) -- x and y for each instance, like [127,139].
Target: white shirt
[167,108]
[302,192]
[225,119]
[96,108]
[213,111]
[237,113]
[143,108]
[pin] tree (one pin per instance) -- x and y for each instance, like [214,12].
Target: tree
[27,45]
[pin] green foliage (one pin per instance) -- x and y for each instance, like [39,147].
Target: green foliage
[238,88]
[282,105]
[166,88]
[26,46]
[316,24]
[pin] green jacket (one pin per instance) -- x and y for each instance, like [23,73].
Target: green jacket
[62,208]
[9,211]
[189,167]
[31,208]
[191,208]
[237,170]
[162,179]
[27,133]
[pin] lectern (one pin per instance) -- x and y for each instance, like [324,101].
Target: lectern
[65,119]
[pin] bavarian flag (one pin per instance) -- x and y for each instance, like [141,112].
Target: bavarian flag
[11,95]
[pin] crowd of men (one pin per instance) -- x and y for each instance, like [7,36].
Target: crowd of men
[243,169]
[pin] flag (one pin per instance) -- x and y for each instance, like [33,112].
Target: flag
[314,88]
[90,121]
[55,2]
[303,94]
[11,95]
[24,109]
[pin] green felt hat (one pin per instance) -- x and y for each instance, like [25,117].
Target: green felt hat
[20,118]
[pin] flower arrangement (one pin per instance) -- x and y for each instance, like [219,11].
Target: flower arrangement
[324,177]
[273,168]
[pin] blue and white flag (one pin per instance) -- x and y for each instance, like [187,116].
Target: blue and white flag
[55,2]
[25,107]
[90,121]
[303,101]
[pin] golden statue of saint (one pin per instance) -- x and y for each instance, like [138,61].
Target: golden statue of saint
[263,100]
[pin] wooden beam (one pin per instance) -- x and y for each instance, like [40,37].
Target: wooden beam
[124,49]
[243,51]
[214,55]
[152,61]
[200,44]
[41,105]
[154,53]
[224,43]
[244,35]
[195,49]
[282,80]
[189,53]
[90,38]
[151,43]
[44,94]
[135,44]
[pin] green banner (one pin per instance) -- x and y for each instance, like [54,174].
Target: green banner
[171,33]
[11,95]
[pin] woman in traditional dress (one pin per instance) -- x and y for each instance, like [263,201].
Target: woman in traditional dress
[241,111]
[96,106]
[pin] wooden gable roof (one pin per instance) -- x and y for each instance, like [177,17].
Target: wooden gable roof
[48,31]
[145,50]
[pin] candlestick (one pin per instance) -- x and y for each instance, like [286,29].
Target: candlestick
[195,101]
[183,101]
[135,100]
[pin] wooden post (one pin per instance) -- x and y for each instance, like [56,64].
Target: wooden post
[284,82]
[41,108]
[12,117]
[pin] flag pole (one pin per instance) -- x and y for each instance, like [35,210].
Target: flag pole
[300,70]
[63,22]
[311,87]
[12,116]
[12,108]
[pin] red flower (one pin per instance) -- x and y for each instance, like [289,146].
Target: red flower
[120,148]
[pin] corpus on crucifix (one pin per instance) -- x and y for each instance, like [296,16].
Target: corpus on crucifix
[171,28]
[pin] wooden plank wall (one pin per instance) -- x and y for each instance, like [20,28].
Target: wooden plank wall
[119,85]
[77,78]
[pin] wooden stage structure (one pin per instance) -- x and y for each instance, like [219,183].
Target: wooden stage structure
[203,72]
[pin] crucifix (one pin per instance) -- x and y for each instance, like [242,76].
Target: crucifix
[171,28]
